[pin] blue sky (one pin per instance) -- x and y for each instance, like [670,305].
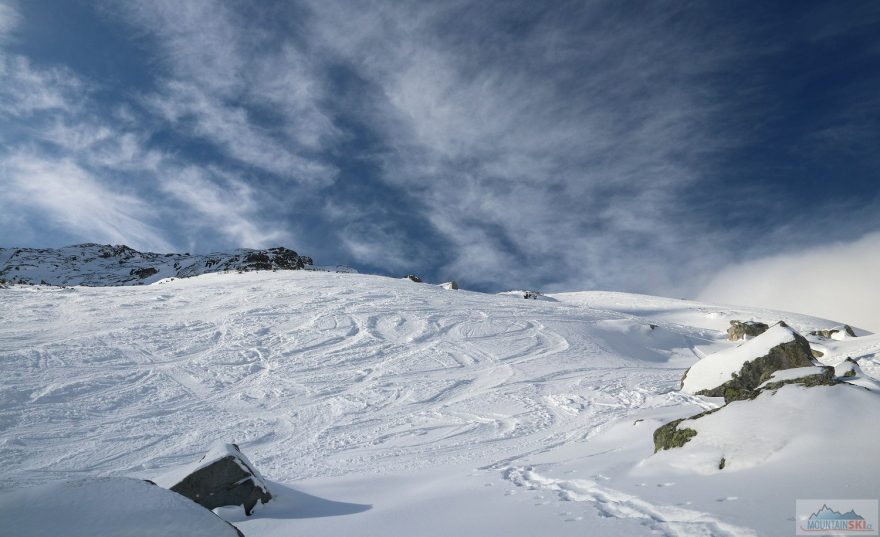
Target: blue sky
[639,146]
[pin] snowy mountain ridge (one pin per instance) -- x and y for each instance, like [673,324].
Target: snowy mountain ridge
[100,265]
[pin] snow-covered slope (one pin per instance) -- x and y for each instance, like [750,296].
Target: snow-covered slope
[378,406]
[120,507]
[106,265]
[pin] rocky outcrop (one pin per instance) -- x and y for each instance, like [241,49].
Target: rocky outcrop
[145,272]
[823,378]
[669,436]
[737,372]
[830,333]
[753,373]
[413,278]
[107,265]
[223,477]
[744,372]
[739,330]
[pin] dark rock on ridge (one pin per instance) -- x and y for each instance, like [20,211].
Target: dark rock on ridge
[107,265]
[828,333]
[739,330]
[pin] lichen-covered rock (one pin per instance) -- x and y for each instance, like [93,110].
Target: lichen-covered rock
[224,476]
[825,377]
[739,330]
[753,373]
[735,374]
[669,436]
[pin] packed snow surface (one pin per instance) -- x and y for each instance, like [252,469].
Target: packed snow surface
[377,406]
[111,506]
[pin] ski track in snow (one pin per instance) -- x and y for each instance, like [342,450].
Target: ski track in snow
[320,375]
[341,376]
[666,520]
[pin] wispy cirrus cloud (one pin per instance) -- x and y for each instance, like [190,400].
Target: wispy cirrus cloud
[559,136]
[556,145]
[214,201]
[219,75]
[188,107]
[91,173]
[75,200]
[9,18]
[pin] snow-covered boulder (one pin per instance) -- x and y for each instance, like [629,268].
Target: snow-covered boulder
[413,278]
[850,372]
[224,476]
[106,507]
[848,368]
[739,330]
[451,286]
[528,295]
[736,373]
[835,333]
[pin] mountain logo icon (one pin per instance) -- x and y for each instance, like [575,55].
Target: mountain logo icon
[826,513]
[827,520]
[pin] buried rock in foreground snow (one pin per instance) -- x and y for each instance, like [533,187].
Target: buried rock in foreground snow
[223,477]
[106,507]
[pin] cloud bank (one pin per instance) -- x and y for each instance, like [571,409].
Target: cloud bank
[838,281]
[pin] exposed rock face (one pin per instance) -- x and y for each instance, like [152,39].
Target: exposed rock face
[791,358]
[739,330]
[223,477]
[825,378]
[669,436]
[743,385]
[831,332]
[145,272]
[531,295]
[104,265]
[413,278]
